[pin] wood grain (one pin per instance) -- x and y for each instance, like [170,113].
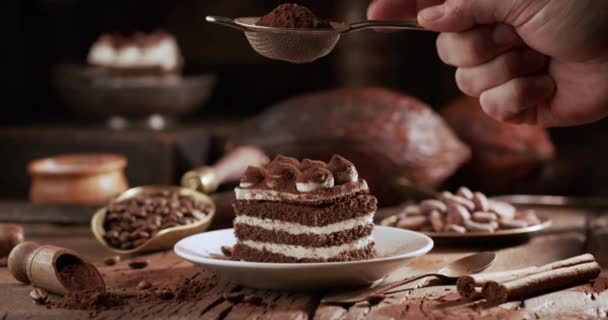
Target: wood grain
[435,302]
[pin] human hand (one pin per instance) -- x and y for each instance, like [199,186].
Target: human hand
[540,62]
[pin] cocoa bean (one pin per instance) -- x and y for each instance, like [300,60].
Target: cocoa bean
[483,217]
[504,210]
[143,285]
[465,193]
[413,223]
[138,264]
[480,201]
[450,198]
[455,228]
[427,206]
[437,221]
[471,225]
[512,224]
[457,214]
[110,261]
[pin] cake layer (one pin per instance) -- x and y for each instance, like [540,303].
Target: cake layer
[247,232]
[243,252]
[347,208]
[319,196]
[308,252]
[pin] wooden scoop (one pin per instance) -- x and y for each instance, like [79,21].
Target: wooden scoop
[44,266]
[207,179]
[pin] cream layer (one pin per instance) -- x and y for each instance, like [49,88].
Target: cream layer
[296,228]
[301,252]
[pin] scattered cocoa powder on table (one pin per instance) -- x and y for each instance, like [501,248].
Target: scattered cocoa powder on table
[97,301]
[90,300]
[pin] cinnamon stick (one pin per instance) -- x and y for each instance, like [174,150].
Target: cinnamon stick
[466,284]
[542,282]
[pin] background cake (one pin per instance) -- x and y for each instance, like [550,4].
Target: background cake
[140,54]
[309,211]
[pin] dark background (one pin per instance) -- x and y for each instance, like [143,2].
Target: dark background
[44,33]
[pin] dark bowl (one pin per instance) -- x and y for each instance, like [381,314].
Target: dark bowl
[96,93]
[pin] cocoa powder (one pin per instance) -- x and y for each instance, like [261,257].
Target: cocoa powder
[97,301]
[90,300]
[291,15]
[75,275]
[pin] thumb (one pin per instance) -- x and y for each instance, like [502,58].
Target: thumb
[461,15]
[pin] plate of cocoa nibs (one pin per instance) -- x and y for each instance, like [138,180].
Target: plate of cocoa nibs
[151,218]
[467,215]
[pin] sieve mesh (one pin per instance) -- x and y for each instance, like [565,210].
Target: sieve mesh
[300,47]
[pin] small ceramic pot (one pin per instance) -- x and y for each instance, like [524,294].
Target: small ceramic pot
[84,179]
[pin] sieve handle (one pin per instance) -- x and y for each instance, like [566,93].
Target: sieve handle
[228,169]
[225,22]
[385,24]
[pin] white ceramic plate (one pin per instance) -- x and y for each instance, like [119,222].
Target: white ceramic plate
[395,247]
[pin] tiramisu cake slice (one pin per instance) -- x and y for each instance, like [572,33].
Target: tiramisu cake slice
[156,53]
[309,211]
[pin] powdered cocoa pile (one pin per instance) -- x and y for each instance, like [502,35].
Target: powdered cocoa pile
[86,291]
[97,300]
[291,15]
[77,276]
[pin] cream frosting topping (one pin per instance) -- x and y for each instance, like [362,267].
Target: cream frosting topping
[164,54]
[311,186]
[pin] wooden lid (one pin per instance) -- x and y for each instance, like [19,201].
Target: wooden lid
[77,164]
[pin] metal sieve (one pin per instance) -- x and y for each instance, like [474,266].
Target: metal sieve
[301,45]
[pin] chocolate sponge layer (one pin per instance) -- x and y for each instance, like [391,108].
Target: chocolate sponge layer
[320,215]
[246,232]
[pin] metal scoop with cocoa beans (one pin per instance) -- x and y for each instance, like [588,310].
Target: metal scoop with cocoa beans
[302,45]
[150,218]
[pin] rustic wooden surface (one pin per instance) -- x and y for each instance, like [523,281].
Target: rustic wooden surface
[572,234]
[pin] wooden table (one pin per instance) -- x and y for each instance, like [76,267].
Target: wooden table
[571,234]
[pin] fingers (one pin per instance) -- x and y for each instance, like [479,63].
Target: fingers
[518,99]
[392,10]
[460,15]
[397,9]
[477,45]
[516,63]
